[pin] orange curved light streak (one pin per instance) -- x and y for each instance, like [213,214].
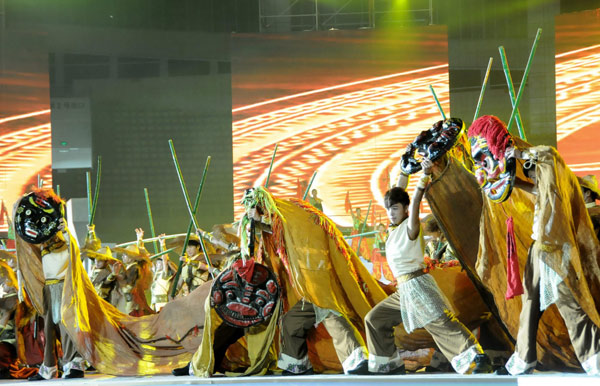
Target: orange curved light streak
[355,138]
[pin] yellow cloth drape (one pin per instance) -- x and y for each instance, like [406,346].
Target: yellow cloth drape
[312,261]
[111,341]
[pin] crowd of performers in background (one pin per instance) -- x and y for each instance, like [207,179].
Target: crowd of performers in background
[359,311]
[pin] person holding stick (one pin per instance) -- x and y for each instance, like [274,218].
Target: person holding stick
[418,301]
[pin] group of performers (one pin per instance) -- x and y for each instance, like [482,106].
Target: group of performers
[287,294]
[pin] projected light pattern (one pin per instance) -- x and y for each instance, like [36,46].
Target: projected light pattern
[355,138]
[353,134]
[25,153]
[577,90]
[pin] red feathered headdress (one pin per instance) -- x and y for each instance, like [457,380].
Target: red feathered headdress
[494,131]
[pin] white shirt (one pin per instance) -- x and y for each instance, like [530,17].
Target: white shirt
[403,254]
[55,264]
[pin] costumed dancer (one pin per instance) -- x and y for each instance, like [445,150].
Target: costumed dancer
[56,257]
[310,258]
[591,193]
[103,277]
[437,249]
[8,305]
[315,200]
[418,302]
[194,271]
[305,316]
[557,257]
[134,278]
[380,264]
[163,276]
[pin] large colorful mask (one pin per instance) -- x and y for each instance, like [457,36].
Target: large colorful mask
[432,144]
[38,215]
[245,296]
[495,174]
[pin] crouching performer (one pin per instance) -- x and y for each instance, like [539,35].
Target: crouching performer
[418,302]
[321,280]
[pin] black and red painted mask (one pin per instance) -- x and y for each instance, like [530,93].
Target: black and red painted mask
[37,217]
[432,144]
[244,303]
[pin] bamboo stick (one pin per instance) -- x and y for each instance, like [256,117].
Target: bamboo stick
[151,239]
[192,212]
[362,228]
[150,220]
[483,86]
[161,253]
[361,234]
[309,184]
[89,196]
[523,82]
[96,190]
[271,166]
[437,101]
[511,87]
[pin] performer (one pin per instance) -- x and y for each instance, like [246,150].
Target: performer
[314,265]
[437,249]
[8,305]
[315,200]
[591,193]
[562,263]
[56,258]
[418,301]
[558,261]
[163,276]
[194,271]
[303,317]
[380,264]
[134,278]
[357,223]
[103,277]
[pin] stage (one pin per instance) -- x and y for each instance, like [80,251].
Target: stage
[545,379]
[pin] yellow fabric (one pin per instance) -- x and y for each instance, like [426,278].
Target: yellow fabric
[312,261]
[466,215]
[120,344]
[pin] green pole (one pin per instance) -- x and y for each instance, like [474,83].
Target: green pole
[523,82]
[485,80]
[161,253]
[437,101]
[193,221]
[89,196]
[150,219]
[361,234]
[364,224]
[271,166]
[58,190]
[511,87]
[309,184]
[96,190]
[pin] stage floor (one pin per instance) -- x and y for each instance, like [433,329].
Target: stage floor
[537,379]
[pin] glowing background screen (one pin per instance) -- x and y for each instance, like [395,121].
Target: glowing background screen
[578,90]
[342,103]
[25,135]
